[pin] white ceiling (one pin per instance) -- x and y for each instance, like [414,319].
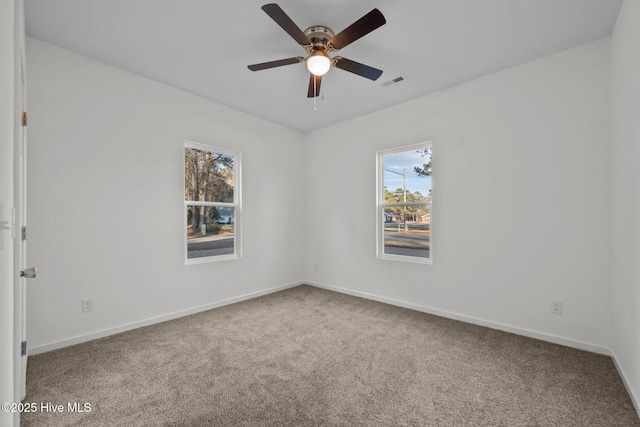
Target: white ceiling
[204,46]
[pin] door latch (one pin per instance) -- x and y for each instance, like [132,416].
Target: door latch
[29,273]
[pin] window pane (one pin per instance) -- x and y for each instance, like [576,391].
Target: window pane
[208,176]
[210,231]
[407,231]
[407,176]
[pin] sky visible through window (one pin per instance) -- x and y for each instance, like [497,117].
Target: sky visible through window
[407,160]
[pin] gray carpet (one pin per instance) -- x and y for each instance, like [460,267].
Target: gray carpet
[311,357]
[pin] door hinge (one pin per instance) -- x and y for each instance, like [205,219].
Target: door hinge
[23,348]
[24,118]
[24,233]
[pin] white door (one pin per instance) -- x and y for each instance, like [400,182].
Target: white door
[20,243]
[7,200]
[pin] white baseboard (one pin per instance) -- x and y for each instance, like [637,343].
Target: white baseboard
[468,319]
[442,313]
[634,398]
[123,328]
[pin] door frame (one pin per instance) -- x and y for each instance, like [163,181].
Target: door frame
[20,205]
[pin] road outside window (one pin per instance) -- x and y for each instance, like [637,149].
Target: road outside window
[212,207]
[404,203]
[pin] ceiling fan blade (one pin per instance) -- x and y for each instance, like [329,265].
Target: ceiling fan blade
[357,68]
[361,27]
[273,64]
[314,86]
[277,14]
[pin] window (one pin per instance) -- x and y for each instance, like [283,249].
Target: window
[404,204]
[211,203]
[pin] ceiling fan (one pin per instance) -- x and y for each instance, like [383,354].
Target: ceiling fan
[319,41]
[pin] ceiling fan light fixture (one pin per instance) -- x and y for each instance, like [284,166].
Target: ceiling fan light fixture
[318,63]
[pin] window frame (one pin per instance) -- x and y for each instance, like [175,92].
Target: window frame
[381,205]
[236,205]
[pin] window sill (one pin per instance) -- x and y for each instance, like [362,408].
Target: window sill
[208,259]
[401,258]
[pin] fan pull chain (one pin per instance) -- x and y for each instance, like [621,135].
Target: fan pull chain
[315,91]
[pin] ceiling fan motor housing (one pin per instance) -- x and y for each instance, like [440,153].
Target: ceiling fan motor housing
[319,36]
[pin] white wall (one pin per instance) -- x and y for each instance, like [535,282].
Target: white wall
[106,199]
[7,116]
[626,194]
[521,210]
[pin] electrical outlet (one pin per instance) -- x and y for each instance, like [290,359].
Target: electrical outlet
[556,307]
[87,304]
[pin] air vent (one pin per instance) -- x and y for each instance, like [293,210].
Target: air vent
[393,81]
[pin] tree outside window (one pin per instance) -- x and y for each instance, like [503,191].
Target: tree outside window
[211,188]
